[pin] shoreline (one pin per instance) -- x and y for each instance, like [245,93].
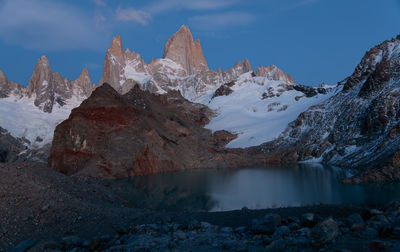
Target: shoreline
[38,204]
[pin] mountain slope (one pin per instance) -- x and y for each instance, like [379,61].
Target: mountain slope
[114,135]
[359,126]
[32,113]
[259,109]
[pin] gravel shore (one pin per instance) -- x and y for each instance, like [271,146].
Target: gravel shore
[44,210]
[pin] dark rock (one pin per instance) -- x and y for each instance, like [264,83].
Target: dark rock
[116,136]
[378,246]
[23,246]
[281,232]
[266,225]
[325,232]
[223,90]
[280,245]
[368,233]
[355,222]
[309,219]
[301,242]
[72,241]
[304,232]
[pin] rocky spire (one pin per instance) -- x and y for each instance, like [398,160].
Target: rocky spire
[114,64]
[48,87]
[83,84]
[183,50]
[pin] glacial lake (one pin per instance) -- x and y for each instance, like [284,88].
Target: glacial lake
[254,188]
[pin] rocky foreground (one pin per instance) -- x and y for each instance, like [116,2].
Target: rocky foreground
[43,210]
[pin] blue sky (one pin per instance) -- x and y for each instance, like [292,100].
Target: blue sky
[313,40]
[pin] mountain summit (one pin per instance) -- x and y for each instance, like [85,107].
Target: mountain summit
[182,49]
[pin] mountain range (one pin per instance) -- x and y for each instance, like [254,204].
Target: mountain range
[247,116]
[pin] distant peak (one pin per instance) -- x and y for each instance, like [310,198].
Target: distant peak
[44,60]
[181,49]
[84,72]
[116,47]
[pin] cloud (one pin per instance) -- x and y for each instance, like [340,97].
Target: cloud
[222,20]
[99,2]
[162,6]
[48,25]
[130,14]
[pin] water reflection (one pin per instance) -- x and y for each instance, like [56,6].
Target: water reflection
[255,188]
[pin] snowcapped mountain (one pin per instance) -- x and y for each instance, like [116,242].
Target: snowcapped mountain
[357,127]
[33,112]
[255,105]
[183,68]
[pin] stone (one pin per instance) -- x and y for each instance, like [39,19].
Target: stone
[304,232]
[281,232]
[325,232]
[266,225]
[180,235]
[24,246]
[356,222]
[72,241]
[309,220]
[378,246]
[227,230]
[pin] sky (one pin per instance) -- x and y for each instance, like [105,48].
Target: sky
[316,41]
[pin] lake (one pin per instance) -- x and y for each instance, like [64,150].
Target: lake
[254,188]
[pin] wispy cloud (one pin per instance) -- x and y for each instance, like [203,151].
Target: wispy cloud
[99,2]
[222,21]
[130,14]
[163,6]
[48,25]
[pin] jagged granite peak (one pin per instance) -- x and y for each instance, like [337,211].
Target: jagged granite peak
[182,68]
[274,73]
[49,88]
[182,49]
[83,84]
[116,48]
[113,64]
[8,87]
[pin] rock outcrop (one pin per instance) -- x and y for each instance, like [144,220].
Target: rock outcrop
[83,86]
[10,147]
[114,135]
[182,49]
[359,126]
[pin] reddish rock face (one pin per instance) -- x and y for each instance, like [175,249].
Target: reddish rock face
[113,135]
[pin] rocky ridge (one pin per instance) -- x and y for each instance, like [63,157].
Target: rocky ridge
[357,127]
[183,68]
[49,88]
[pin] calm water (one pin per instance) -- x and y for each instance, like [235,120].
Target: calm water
[255,188]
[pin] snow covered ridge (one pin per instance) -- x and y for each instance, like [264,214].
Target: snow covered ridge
[359,125]
[25,120]
[259,109]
